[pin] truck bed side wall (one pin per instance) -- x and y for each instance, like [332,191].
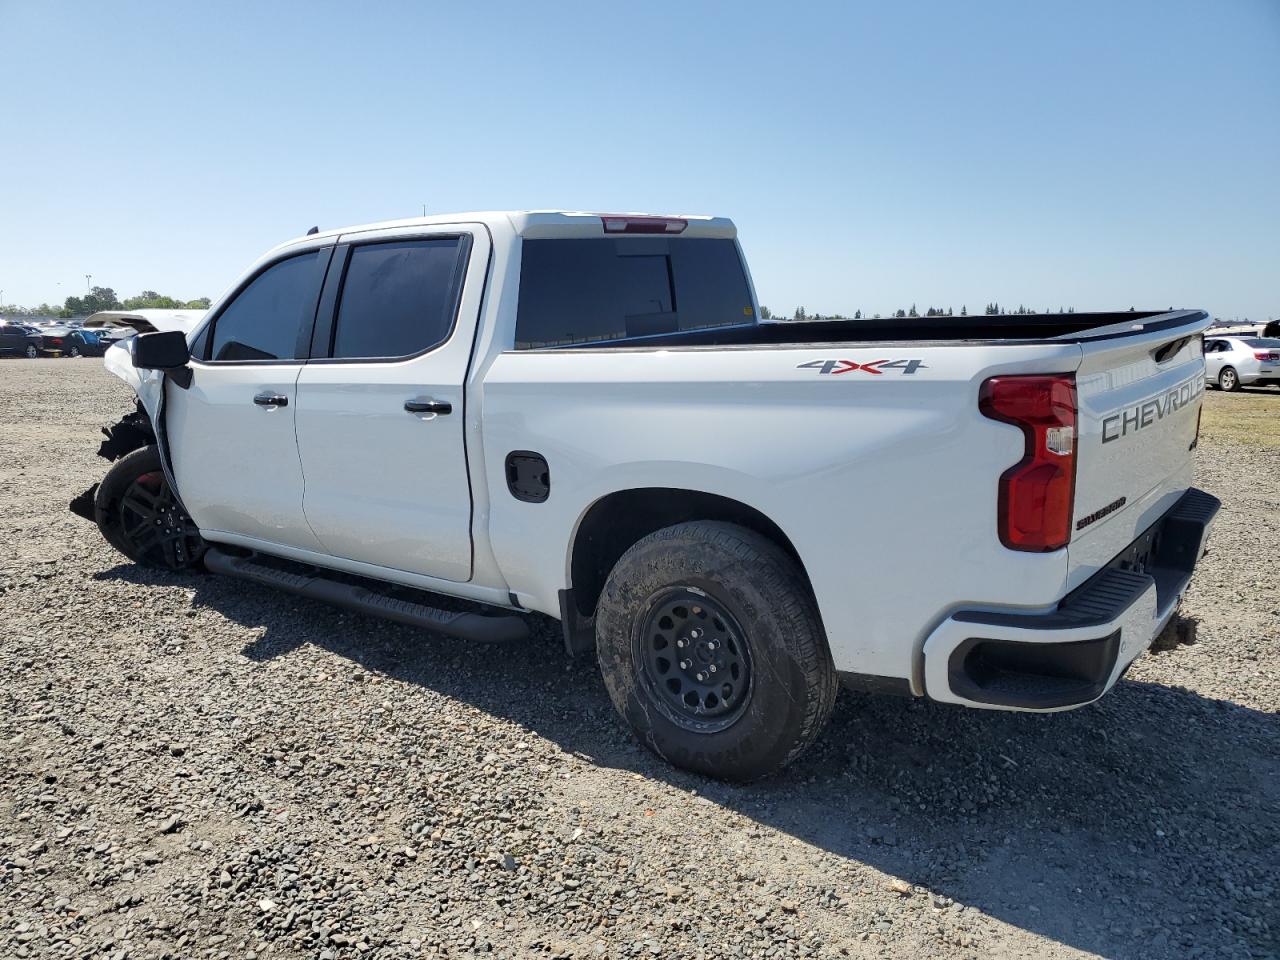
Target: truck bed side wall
[884,482]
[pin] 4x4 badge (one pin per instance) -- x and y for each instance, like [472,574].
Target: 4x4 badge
[876,367]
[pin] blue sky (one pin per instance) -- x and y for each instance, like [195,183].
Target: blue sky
[1101,154]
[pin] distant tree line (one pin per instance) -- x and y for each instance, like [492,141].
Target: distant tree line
[104,298]
[991,309]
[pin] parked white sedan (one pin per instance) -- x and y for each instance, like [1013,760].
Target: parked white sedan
[1233,362]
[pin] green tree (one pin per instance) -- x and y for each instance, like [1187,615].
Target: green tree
[150,300]
[964,311]
[857,314]
[202,303]
[800,314]
[99,298]
[765,312]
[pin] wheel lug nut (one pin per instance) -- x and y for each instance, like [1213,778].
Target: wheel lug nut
[714,644]
[702,678]
[685,664]
[695,633]
[712,668]
[682,643]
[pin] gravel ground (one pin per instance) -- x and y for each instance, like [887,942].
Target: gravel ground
[195,767]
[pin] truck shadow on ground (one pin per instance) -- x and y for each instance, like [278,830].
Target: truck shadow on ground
[1145,825]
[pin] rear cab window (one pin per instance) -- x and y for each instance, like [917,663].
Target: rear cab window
[584,291]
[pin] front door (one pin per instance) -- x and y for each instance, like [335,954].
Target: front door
[231,434]
[1214,354]
[380,412]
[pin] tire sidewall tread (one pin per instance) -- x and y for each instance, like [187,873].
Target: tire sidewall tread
[106,502]
[794,680]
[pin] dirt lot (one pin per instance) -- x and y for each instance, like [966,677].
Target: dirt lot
[194,767]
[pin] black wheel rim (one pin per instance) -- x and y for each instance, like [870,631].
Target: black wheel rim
[693,659]
[155,526]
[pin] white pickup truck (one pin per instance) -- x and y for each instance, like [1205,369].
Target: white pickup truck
[581,414]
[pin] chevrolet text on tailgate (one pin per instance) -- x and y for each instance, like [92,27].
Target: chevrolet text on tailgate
[581,414]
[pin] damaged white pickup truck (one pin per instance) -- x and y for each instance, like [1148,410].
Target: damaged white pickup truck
[580,414]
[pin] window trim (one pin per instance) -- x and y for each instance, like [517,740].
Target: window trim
[209,327]
[326,326]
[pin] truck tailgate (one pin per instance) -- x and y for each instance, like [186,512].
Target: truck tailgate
[1139,393]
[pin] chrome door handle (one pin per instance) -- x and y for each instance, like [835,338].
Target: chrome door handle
[427,405]
[271,400]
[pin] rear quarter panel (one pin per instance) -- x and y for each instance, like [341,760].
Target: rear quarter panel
[884,482]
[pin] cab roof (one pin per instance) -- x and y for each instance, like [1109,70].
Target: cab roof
[556,223]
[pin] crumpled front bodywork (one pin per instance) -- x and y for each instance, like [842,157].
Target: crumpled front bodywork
[147,384]
[134,430]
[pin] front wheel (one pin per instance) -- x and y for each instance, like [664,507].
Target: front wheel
[74,351]
[711,648]
[139,515]
[1229,380]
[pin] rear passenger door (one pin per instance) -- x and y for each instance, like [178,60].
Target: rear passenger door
[381,406]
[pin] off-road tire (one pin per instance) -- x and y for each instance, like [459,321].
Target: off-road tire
[173,544]
[793,681]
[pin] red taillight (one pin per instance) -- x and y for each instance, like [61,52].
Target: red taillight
[1262,355]
[1037,493]
[56,341]
[643,224]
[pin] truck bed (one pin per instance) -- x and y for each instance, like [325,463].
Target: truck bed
[1015,328]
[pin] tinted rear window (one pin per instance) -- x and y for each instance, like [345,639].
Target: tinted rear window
[1265,343]
[584,291]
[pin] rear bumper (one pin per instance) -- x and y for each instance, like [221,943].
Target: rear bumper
[1073,654]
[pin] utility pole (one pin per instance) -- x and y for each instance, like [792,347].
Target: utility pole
[424,209]
[87,278]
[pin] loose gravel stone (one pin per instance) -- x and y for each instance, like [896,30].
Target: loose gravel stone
[197,767]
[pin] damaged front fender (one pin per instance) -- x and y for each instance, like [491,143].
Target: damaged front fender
[147,384]
[134,430]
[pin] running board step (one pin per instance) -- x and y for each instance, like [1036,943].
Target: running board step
[315,586]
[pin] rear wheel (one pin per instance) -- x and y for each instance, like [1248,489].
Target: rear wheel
[139,515]
[1229,380]
[712,649]
[32,352]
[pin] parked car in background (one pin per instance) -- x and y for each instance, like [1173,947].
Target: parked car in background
[1233,362]
[86,343]
[18,339]
[53,341]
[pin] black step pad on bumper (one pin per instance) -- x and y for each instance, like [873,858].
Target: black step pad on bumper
[316,586]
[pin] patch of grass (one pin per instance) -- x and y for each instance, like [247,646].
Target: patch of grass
[1251,416]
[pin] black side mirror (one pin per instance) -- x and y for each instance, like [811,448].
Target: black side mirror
[164,350]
